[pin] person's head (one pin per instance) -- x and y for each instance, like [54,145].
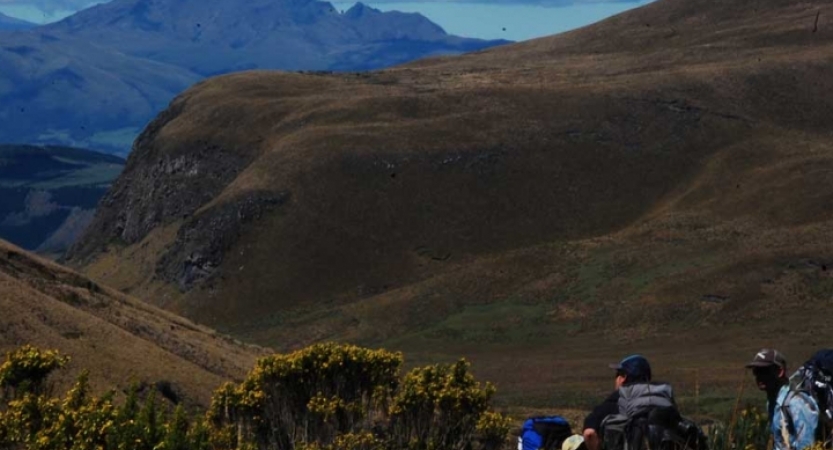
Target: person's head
[632,369]
[770,369]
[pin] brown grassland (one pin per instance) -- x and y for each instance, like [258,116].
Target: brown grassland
[659,182]
[121,340]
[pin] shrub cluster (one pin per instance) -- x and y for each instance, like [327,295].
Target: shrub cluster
[748,429]
[325,397]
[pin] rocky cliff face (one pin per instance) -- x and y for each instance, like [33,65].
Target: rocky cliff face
[165,183]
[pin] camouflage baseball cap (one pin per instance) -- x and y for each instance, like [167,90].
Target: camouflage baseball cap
[768,357]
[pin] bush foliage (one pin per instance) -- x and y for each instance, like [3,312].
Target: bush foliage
[747,429]
[325,397]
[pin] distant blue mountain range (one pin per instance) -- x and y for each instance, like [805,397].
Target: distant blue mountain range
[96,78]
[11,24]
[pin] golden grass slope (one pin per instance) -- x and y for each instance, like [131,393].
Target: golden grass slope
[657,182]
[119,339]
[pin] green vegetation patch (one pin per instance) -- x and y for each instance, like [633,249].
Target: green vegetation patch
[118,138]
[95,175]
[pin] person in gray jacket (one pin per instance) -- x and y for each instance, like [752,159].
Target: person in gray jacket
[630,371]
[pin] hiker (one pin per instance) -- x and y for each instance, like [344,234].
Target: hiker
[770,370]
[640,414]
[793,414]
[631,370]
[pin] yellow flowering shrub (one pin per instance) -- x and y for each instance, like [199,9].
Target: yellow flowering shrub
[32,419]
[349,441]
[26,370]
[748,430]
[324,397]
[25,417]
[439,406]
[312,395]
[492,429]
[358,441]
[818,446]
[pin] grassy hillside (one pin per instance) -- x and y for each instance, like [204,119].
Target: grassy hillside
[48,194]
[119,339]
[657,182]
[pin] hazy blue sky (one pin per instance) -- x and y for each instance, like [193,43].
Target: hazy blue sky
[503,20]
[489,19]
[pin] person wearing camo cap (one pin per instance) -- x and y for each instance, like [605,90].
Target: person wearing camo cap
[793,414]
[769,366]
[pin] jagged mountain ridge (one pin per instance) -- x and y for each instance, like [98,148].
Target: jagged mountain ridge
[266,34]
[96,78]
[657,180]
[118,339]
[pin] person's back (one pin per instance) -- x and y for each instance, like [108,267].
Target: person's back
[638,399]
[648,418]
[639,414]
[632,369]
[639,411]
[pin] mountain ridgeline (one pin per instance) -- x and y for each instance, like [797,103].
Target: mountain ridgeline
[96,78]
[656,181]
[12,24]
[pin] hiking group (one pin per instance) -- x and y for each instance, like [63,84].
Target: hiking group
[641,414]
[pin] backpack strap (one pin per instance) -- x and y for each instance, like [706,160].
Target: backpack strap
[787,422]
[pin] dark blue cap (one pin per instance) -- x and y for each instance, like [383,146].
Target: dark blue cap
[634,366]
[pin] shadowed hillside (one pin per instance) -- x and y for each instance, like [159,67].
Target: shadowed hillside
[119,339]
[48,195]
[657,181]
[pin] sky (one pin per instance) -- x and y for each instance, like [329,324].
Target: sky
[514,20]
[504,20]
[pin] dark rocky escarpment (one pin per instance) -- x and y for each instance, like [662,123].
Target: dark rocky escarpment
[162,183]
[201,242]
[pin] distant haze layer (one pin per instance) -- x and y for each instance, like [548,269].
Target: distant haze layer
[515,22]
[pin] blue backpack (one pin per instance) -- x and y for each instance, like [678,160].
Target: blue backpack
[815,378]
[544,432]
